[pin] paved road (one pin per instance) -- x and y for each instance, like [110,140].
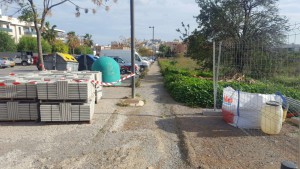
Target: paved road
[18,69]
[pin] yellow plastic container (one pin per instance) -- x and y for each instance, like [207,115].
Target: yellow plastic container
[67,57]
[271,118]
[284,114]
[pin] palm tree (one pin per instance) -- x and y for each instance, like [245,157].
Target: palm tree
[87,40]
[72,41]
[49,34]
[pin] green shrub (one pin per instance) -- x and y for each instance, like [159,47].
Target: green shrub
[198,92]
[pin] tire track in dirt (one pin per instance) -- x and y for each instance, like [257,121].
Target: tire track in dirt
[109,124]
[185,147]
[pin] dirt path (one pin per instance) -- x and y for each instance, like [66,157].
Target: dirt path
[161,135]
[119,137]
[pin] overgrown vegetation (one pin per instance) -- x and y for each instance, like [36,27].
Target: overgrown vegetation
[195,87]
[144,73]
[7,44]
[234,21]
[27,43]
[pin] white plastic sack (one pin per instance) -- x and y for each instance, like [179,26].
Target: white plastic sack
[242,109]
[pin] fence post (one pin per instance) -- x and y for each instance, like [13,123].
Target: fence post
[217,74]
[214,75]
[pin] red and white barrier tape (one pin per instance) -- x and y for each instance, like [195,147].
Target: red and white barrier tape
[18,83]
[111,83]
[76,80]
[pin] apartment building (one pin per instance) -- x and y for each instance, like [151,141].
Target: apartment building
[17,28]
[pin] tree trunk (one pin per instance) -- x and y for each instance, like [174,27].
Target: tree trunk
[40,51]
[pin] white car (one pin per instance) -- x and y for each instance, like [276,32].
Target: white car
[23,60]
[8,62]
[4,63]
[126,56]
[1,63]
[148,59]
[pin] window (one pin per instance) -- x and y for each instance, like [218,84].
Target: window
[26,29]
[137,58]
[20,30]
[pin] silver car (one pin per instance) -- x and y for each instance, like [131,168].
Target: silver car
[2,63]
[7,62]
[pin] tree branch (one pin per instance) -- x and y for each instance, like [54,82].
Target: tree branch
[57,4]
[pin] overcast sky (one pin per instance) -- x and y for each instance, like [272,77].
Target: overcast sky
[165,15]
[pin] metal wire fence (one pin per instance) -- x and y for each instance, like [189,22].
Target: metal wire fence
[259,72]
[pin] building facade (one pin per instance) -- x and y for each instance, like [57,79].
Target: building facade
[17,28]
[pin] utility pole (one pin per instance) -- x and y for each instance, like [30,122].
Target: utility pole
[132,47]
[153,48]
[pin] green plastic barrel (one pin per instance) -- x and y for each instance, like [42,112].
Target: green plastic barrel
[109,67]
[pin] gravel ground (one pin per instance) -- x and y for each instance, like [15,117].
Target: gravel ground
[162,134]
[118,137]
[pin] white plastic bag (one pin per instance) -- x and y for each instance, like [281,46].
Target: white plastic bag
[242,109]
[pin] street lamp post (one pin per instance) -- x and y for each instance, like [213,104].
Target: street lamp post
[132,47]
[153,48]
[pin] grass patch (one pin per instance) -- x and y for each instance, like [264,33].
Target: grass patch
[144,73]
[122,104]
[138,82]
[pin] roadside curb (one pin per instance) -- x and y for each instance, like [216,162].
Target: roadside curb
[212,112]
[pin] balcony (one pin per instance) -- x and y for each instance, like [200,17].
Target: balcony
[32,34]
[6,29]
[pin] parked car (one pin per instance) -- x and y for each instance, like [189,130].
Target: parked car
[35,59]
[12,62]
[9,62]
[2,64]
[148,59]
[126,56]
[24,58]
[5,63]
[125,67]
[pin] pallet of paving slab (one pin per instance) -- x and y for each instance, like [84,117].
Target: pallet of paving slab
[64,89]
[18,111]
[67,112]
[88,100]
[18,91]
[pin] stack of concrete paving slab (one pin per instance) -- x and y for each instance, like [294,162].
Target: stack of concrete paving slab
[59,100]
[59,95]
[67,111]
[18,110]
[65,90]
[18,99]
[68,96]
